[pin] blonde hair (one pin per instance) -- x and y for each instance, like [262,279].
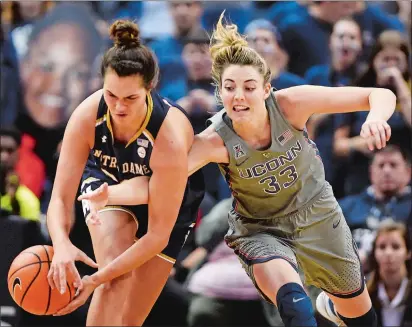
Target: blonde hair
[228,47]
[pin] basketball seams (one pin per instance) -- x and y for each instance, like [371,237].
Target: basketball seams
[29,264]
[31,283]
[70,291]
[49,296]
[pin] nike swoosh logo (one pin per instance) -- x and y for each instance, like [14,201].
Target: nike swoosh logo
[16,282]
[336,225]
[297,300]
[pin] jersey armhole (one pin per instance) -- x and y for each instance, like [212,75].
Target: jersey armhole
[279,110]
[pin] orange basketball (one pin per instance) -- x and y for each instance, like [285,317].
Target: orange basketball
[28,285]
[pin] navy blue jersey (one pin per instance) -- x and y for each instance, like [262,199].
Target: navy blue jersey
[113,162]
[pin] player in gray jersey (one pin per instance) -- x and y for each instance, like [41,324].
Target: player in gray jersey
[284,213]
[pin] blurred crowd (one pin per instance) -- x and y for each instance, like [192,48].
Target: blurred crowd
[50,60]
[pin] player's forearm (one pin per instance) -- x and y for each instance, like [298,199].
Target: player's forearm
[382,104]
[133,191]
[58,222]
[142,251]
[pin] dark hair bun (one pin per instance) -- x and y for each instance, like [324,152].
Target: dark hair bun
[125,33]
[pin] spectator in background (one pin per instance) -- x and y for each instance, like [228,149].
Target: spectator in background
[196,95]
[19,17]
[55,74]
[240,12]
[388,68]
[299,30]
[373,22]
[16,199]
[265,38]
[11,92]
[388,196]
[400,8]
[390,282]
[279,10]
[194,91]
[187,19]
[345,46]
[223,295]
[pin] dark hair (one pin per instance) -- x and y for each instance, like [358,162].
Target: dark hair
[128,56]
[389,38]
[12,132]
[198,36]
[393,148]
[349,19]
[387,227]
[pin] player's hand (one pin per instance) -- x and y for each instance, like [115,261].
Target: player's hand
[62,264]
[82,294]
[97,200]
[376,133]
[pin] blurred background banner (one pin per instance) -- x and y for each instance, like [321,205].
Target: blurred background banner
[50,62]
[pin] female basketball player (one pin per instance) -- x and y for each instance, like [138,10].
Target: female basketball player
[284,212]
[120,132]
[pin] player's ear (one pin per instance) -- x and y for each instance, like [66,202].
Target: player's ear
[267,89]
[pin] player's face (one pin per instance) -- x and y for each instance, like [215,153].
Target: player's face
[389,173]
[124,96]
[346,42]
[55,74]
[243,92]
[8,153]
[390,251]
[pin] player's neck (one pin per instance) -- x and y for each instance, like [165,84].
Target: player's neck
[124,130]
[255,132]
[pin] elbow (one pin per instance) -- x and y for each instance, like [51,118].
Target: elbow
[386,93]
[390,94]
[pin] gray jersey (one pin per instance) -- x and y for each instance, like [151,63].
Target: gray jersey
[273,182]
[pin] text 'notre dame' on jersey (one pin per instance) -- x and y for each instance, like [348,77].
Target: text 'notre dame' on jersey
[119,161]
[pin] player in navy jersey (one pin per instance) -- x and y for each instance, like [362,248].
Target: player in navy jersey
[123,131]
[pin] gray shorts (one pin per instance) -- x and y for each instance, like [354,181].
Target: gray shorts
[315,239]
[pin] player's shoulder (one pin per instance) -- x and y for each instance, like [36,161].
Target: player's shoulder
[85,114]
[164,111]
[164,104]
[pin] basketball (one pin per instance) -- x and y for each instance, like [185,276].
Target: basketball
[28,285]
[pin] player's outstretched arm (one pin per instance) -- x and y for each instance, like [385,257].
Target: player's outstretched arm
[300,102]
[207,147]
[71,163]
